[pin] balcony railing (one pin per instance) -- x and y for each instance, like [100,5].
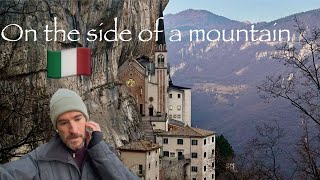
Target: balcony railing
[184,156]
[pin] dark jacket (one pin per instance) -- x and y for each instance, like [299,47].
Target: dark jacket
[52,161]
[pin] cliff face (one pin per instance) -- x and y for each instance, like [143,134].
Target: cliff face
[25,89]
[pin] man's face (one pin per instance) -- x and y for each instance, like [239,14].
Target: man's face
[71,128]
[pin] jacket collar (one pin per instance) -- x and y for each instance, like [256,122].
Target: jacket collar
[56,150]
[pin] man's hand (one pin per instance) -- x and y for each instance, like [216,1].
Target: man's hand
[92,126]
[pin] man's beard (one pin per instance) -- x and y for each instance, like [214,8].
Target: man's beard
[75,136]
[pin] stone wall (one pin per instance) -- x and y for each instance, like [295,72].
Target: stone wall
[175,169]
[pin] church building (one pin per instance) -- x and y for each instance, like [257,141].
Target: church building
[149,82]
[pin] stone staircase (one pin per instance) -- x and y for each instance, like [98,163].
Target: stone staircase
[147,128]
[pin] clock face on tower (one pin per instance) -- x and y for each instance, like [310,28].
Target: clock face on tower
[130,82]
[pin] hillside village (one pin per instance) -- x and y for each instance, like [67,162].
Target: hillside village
[172,148]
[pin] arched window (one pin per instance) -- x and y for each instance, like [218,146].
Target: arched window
[161,60]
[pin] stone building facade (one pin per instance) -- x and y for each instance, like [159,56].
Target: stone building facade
[193,144]
[142,158]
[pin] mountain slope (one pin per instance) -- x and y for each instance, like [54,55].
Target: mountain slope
[225,75]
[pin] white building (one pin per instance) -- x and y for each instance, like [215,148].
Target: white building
[195,144]
[179,103]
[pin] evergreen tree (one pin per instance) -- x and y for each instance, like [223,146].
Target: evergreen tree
[224,155]
[224,147]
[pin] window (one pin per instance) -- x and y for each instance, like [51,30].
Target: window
[204,141]
[194,178]
[172,154]
[179,116]
[194,142]
[212,139]
[212,176]
[179,108]
[165,140]
[174,116]
[166,153]
[205,154]
[204,178]
[156,151]
[212,165]
[170,116]
[140,168]
[194,155]
[179,141]
[179,95]
[204,168]
[149,165]
[156,163]
[149,153]
[212,152]
[170,107]
[161,59]
[194,168]
[170,95]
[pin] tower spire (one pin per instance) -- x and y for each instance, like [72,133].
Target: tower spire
[161,42]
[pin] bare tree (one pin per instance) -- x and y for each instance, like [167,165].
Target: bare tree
[262,157]
[301,87]
[307,159]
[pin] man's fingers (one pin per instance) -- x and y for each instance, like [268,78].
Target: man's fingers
[88,137]
[93,125]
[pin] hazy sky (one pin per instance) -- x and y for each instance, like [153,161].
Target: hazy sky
[242,10]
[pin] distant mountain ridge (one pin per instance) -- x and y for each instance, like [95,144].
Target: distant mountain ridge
[310,18]
[198,19]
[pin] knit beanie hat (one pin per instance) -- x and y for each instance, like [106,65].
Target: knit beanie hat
[65,100]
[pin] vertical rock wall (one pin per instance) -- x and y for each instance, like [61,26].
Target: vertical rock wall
[23,64]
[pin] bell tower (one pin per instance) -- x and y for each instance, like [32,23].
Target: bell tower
[161,63]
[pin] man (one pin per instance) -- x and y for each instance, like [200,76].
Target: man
[73,153]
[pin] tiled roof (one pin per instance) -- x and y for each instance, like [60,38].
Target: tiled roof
[176,122]
[177,87]
[172,86]
[140,145]
[188,131]
[158,131]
